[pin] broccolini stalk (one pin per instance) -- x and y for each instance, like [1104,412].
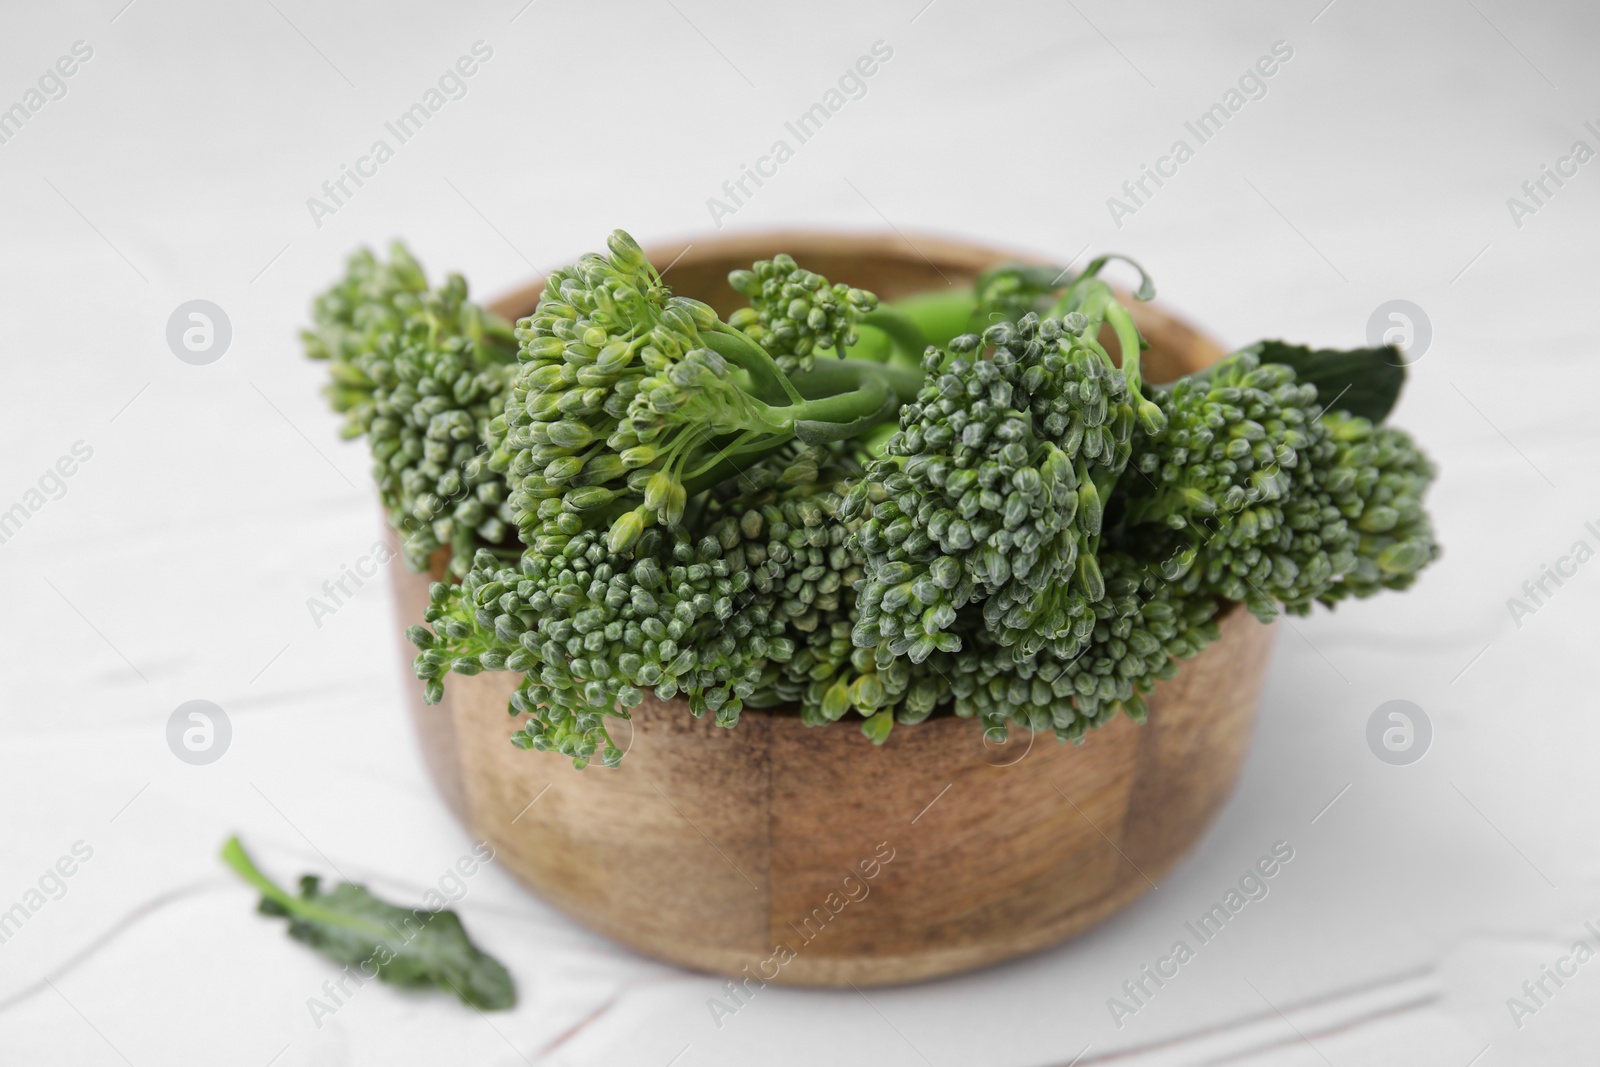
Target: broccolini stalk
[420,373]
[627,397]
[1270,500]
[628,403]
[996,485]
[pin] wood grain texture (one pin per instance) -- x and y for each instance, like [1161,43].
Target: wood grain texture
[808,856]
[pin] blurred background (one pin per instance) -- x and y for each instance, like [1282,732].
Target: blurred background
[1409,171]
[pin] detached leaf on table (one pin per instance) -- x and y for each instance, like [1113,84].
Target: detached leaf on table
[402,946]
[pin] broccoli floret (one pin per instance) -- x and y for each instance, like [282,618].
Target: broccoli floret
[1134,636]
[995,485]
[990,489]
[793,312]
[420,373]
[789,517]
[1268,500]
[627,396]
[629,402]
[1376,481]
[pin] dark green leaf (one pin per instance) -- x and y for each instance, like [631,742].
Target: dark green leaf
[403,946]
[1362,381]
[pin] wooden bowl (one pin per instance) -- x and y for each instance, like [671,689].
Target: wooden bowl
[807,856]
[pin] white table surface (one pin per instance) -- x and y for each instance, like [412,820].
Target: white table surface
[218,498]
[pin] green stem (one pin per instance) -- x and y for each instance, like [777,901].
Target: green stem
[866,399]
[1128,341]
[771,383]
[739,445]
[1148,413]
[901,328]
[1088,296]
[728,466]
[873,346]
[234,855]
[830,377]
[940,316]
[1147,287]
[831,419]
[848,398]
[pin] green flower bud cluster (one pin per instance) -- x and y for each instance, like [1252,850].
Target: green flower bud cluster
[627,404]
[784,515]
[374,298]
[1138,632]
[787,515]
[1376,481]
[1272,502]
[626,396]
[716,620]
[600,419]
[420,373]
[993,491]
[427,439]
[1232,439]
[1223,473]
[793,311]
[591,630]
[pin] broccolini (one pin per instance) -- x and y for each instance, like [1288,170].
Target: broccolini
[420,372]
[850,508]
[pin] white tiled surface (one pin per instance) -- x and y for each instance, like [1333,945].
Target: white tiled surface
[217,500]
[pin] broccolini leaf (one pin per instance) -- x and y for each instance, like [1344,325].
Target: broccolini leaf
[402,946]
[1365,382]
